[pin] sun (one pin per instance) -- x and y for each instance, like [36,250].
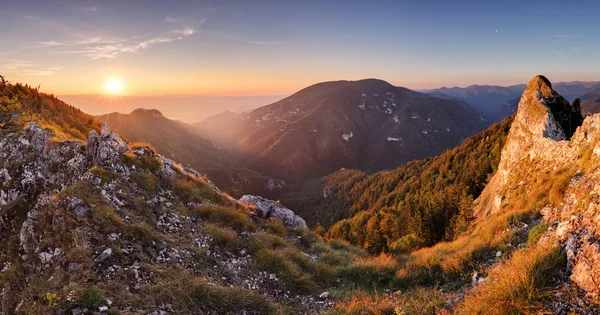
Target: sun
[113,86]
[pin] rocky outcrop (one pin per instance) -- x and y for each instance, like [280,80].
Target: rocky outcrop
[104,148]
[537,144]
[535,135]
[266,208]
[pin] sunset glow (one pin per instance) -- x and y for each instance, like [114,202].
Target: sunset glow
[113,86]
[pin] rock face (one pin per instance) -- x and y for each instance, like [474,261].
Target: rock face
[535,135]
[104,148]
[537,145]
[266,208]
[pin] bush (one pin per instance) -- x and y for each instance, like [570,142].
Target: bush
[406,244]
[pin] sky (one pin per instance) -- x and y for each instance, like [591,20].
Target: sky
[217,48]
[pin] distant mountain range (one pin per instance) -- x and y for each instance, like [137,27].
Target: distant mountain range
[498,102]
[187,108]
[368,125]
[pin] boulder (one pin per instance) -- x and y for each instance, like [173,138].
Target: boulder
[266,208]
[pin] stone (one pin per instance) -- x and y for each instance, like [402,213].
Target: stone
[105,254]
[324,296]
[103,309]
[266,208]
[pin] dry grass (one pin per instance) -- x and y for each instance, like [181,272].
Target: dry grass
[518,285]
[287,270]
[223,237]
[363,304]
[190,295]
[226,216]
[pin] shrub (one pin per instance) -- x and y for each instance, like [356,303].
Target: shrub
[406,244]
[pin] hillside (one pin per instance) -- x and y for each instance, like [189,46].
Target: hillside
[492,100]
[171,138]
[368,125]
[103,227]
[52,114]
[428,199]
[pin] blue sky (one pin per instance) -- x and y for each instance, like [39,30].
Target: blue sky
[276,47]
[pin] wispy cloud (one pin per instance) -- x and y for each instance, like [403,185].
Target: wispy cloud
[173,19]
[186,31]
[29,68]
[110,49]
[263,42]
[562,35]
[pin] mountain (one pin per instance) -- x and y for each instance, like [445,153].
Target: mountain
[190,146]
[498,102]
[188,108]
[368,125]
[590,102]
[96,225]
[492,100]
[174,139]
[571,90]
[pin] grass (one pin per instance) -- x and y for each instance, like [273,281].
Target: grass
[362,303]
[223,237]
[193,190]
[536,233]
[289,272]
[102,173]
[379,271]
[146,181]
[192,295]
[91,298]
[518,285]
[225,216]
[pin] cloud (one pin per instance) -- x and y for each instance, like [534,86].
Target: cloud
[186,31]
[103,49]
[561,35]
[34,72]
[261,42]
[170,19]
[29,68]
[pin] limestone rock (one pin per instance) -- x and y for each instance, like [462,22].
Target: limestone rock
[266,208]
